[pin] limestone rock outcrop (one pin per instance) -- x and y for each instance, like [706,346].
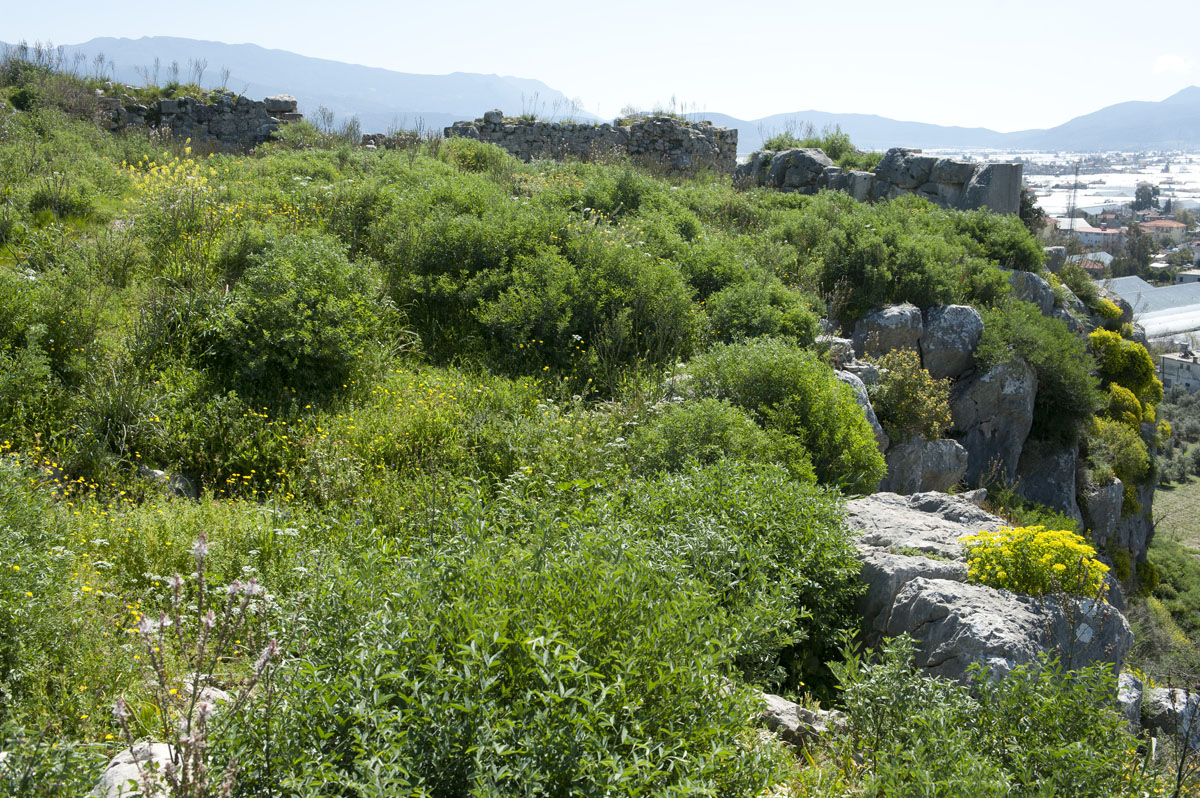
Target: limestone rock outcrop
[796,725]
[915,576]
[949,339]
[1174,711]
[945,182]
[860,396]
[991,415]
[1046,475]
[918,465]
[891,327]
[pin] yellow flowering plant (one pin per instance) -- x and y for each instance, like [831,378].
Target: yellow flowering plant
[1034,560]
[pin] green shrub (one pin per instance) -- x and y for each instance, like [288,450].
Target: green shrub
[1039,730]
[296,323]
[1066,391]
[760,307]
[566,669]
[907,399]
[773,552]
[788,388]
[1002,239]
[1112,444]
[472,155]
[1128,364]
[1034,560]
[709,430]
[1123,406]
[1019,511]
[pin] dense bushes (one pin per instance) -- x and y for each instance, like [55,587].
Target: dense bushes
[907,399]
[1066,391]
[298,320]
[710,430]
[1041,730]
[789,389]
[901,251]
[1129,365]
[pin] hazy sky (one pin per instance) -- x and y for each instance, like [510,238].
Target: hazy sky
[1007,66]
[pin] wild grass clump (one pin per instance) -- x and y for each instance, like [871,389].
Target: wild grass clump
[835,143]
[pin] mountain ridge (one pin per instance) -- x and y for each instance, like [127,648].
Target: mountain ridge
[383,99]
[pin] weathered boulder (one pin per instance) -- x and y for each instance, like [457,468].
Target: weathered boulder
[914,571]
[918,465]
[1102,511]
[839,350]
[991,414]
[134,769]
[905,168]
[1129,700]
[948,171]
[1174,711]
[796,725]
[996,186]
[1056,258]
[886,329]
[902,537]
[1134,531]
[798,170]
[961,624]
[1046,475]
[948,341]
[1033,288]
[280,104]
[860,396]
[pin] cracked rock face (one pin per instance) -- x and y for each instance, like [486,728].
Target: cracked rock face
[915,574]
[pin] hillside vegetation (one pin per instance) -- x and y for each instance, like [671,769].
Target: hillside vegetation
[511,479]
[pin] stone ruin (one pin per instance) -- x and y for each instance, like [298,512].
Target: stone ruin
[228,122]
[667,140]
[942,181]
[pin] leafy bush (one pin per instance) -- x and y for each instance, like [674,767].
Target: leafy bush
[773,552]
[905,250]
[760,307]
[1108,311]
[1123,406]
[709,430]
[1034,560]
[1114,445]
[1066,391]
[297,322]
[907,399]
[1002,239]
[1039,730]
[495,656]
[788,388]
[1128,364]
[471,155]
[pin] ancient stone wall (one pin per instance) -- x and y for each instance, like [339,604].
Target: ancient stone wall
[228,121]
[665,140]
[945,182]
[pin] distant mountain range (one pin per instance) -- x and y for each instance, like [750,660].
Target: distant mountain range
[380,98]
[383,99]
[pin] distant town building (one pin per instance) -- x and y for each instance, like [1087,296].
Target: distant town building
[1167,229]
[1180,369]
[1089,236]
[1188,276]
